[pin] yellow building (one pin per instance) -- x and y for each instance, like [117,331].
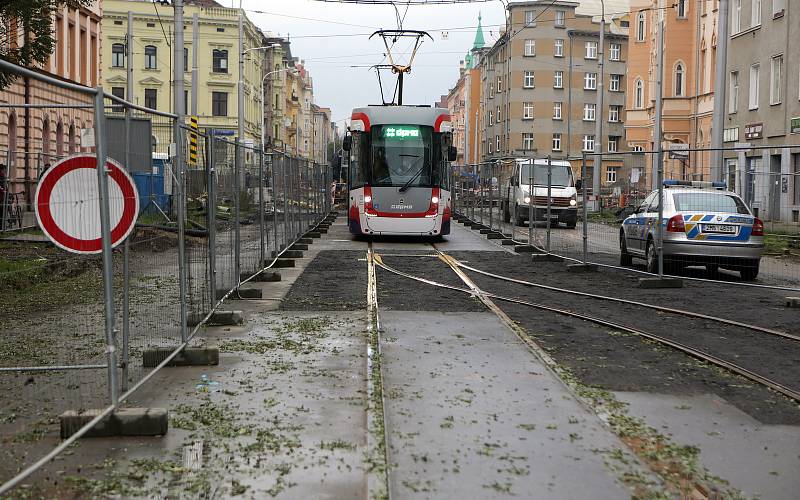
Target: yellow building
[217,68]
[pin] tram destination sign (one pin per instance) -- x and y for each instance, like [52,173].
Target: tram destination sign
[401,132]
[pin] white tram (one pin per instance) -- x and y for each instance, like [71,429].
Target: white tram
[399,171]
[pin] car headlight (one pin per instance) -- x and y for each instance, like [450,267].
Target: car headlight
[572,202]
[527,199]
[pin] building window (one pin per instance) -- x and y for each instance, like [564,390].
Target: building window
[558,80]
[736,22]
[637,149]
[611,173]
[150,57]
[588,142]
[615,83]
[499,115]
[589,112]
[527,141]
[776,80]
[530,18]
[613,113]
[682,8]
[491,117]
[497,143]
[118,55]
[528,80]
[590,81]
[679,80]
[640,26]
[151,98]
[558,48]
[530,47]
[489,143]
[556,142]
[491,90]
[499,85]
[638,94]
[219,61]
[561,18]
[615,51]
[756,10]
[219,104]
[591,50]
[733,98]
[556,111]
[186,59]
[755,70]
[778,9]
[118,92]
[527,110]
[613,145]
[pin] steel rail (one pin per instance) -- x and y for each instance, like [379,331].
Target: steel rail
[691,351]
[634,270]
[670,310]
[375,328]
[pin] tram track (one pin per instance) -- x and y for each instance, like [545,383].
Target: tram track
[719,360]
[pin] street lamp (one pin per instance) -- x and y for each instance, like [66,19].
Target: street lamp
[241,86]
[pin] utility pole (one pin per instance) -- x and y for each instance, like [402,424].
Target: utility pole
[598,115]
[240,88]
[657,132]
[129,57]
[718,123]
[195,47]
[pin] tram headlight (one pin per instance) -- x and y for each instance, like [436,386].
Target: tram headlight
[434,199]
[527,199]
[368,199]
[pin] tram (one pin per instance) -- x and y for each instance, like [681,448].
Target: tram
[399,171]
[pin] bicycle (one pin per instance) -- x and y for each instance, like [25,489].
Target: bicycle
[12,213]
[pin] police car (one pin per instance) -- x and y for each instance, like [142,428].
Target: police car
[704,224]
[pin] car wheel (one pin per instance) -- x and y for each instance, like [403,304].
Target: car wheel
[625,259]
[652,257]
[749,272]
[571,225]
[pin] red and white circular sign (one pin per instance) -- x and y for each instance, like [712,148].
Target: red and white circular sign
[68,207]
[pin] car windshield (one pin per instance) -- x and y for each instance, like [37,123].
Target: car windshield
[561,175]
[709,202]
[401,154]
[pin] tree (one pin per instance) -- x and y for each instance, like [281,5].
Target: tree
[26,32]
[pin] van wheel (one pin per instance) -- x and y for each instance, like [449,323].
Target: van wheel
[520,221]
[652,257]
[625,259]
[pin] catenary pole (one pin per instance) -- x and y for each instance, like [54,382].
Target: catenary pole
[718,121]
[598,115]
[177,94]
[195,47]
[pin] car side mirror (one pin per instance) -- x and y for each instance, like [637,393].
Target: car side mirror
[347,142]
[579,185]
[452,153]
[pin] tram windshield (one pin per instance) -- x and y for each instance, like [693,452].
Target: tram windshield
[401,155]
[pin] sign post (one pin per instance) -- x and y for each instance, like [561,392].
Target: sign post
[66,207]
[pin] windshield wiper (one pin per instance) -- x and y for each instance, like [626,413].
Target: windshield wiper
[414,177]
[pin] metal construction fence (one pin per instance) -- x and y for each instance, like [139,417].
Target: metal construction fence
[85,331]
[743,230]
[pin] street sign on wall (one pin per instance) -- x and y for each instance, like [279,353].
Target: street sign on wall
[68,209]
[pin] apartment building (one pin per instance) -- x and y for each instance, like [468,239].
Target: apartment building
[540,83]
[31,138]
[218,63]
[763,106]
[690,53]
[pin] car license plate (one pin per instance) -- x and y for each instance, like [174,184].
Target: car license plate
[719,228]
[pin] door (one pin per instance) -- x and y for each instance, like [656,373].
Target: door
[775,188]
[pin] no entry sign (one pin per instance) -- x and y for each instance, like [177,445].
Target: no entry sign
[68,206]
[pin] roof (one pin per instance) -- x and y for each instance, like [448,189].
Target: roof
[479,42]
[401,115]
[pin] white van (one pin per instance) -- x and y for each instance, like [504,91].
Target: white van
[516,194]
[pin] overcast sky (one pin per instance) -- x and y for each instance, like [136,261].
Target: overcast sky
[328,58]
